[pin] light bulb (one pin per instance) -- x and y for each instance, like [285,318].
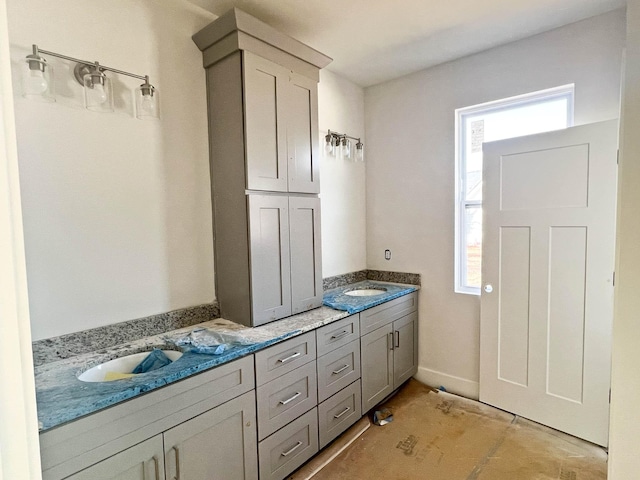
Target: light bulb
[146,98]
[36,84]
[97,94]
[148,105]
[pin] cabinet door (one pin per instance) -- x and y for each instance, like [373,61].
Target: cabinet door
[302,135]
[377,366]
[265,93]
[306,257]
[220,444]
[405,353]
[140,462]
[270,261]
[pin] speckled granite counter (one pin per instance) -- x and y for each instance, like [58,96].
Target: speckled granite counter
[338,299]
[61,397]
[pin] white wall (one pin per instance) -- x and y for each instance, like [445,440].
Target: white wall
[624,436]
[410,169]
[342,183]
[116,210]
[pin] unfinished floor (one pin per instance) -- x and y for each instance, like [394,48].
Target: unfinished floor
[439,436]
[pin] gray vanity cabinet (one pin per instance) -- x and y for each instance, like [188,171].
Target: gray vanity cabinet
[281,128]
[377,366]
[220,444]
[202,427]
[262,97]
[270,260]
[285,256]
[140,462]
[305,244]
[389,348]
[405,348]
[287,395]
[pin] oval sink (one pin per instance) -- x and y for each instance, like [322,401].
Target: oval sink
[120,368]
[365,292]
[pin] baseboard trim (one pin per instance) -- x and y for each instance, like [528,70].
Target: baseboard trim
[457,385]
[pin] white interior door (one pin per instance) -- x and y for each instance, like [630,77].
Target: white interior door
[547,274]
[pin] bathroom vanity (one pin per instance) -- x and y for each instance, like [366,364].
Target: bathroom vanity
[258,413]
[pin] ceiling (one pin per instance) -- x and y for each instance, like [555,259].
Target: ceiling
[372,41]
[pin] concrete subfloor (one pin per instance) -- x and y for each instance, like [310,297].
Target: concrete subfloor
[436,435]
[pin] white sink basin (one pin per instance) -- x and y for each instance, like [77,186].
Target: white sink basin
[122,367]
[365,292]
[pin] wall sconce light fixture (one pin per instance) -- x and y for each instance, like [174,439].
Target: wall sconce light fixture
[37,80]
[339,145]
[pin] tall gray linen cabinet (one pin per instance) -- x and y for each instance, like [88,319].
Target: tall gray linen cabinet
[264,155]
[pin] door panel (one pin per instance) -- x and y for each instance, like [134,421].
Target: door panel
[269,254]
[220,444]
[140,462]
[265,132]
[376,349]
[306,257]
[405,354]
[302,135]
[548,252]
[513,342]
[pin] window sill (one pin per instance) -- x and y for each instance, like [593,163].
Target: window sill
[468,290]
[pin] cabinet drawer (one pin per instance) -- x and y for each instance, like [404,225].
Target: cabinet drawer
[381,315]
[288,448]
[285,398]
[284,357]
[337,334]
[338,369]
[339,412]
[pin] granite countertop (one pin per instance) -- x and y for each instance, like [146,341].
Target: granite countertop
[61,397]
[338,299]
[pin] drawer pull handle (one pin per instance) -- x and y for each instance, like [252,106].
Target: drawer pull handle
[290,357]
[339,335]
[397,333]
[293,397]
[292,449]
[390,340]
[340,370]
[178,463]
[346,409]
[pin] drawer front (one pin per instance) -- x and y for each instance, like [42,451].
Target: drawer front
[284,357]
[288,448]
[286,398]
[338,333]
[338,369]
[381,315]
[339,412]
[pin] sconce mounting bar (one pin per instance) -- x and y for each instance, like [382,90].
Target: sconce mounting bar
[85,62]
[342,135]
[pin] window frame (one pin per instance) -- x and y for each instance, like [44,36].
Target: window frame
[461,204]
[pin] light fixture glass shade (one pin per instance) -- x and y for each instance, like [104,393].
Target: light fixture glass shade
[359,154]
[98,95]
[346,148]
[147,107]
[328,146]
[37,79]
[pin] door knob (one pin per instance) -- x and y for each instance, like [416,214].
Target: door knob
[488,288]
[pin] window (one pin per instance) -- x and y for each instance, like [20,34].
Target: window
[512,117]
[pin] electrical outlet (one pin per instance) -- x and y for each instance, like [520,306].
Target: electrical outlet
[387,254]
